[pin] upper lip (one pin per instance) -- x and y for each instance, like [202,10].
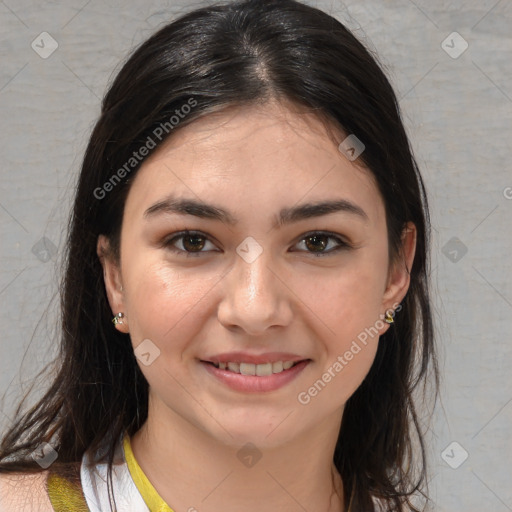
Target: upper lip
[245,357]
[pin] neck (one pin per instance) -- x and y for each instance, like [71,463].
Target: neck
[193,471]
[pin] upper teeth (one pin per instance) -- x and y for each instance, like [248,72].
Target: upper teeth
[256,369]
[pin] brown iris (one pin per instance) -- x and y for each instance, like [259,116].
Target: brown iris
[193,243]
[316,243]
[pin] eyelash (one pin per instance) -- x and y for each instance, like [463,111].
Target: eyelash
[168,243]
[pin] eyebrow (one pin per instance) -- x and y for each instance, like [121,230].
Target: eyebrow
[286,215]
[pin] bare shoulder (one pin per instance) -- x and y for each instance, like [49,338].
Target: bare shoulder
[24,492]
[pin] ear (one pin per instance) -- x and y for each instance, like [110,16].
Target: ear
[113,281]
[399,277]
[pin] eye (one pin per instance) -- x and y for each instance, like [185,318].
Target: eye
[322,243]
[188,242]
[194,243]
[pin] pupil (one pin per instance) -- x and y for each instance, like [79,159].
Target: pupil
[321,240]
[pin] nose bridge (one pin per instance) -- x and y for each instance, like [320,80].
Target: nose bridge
[254,298]
[254,281]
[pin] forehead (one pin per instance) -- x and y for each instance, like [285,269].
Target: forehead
[273,126]
[272,152]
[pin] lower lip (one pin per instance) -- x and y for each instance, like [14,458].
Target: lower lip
[253,383]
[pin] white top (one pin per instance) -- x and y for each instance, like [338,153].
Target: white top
[94,485]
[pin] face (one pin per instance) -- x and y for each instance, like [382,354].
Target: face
[257,272]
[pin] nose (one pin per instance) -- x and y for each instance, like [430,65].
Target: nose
[255,297]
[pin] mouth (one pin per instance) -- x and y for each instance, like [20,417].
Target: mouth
[255,378]
[260,370]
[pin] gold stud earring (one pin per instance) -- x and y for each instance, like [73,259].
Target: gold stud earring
[118,319]
[389,318]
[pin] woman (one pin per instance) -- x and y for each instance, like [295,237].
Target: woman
[245,311]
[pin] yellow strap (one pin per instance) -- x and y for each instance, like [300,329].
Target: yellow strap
[64,495]
[149,494]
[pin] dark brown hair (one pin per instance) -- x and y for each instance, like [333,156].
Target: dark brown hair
[237,54]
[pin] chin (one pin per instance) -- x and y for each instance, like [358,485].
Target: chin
[262,434]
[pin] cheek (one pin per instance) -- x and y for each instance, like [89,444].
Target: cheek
[338,379]
[169,307]
[165,302]
[347,300]
[350,309]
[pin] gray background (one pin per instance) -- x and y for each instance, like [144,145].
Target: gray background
[458,114]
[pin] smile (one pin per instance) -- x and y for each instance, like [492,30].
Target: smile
[256,369]
[255,378]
